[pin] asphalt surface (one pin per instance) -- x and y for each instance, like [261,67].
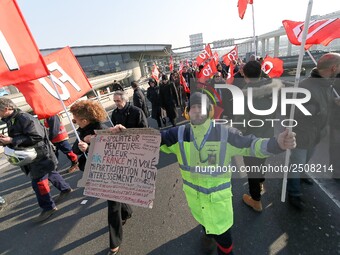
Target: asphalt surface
[168,228]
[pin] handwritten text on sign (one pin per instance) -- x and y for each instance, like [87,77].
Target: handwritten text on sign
[122,167]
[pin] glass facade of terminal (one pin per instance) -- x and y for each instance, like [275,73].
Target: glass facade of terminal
[95,65]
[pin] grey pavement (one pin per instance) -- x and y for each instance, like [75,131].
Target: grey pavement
[168,228]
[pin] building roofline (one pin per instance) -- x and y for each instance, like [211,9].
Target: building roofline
[113,48]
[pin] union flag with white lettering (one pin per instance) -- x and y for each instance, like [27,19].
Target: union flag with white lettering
[319,31]
[206,54]
[273,67]
[20,59]
[230,56]
[69,78]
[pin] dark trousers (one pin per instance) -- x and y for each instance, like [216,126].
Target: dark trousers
[117,213]
[65,147]
[255,178]
[42,189]
[224,242]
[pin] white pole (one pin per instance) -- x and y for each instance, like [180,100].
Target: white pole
[296,84]
[311,56]
[254,35]
[64,107]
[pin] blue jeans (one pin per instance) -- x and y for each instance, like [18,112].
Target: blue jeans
[297,156]
[42,189]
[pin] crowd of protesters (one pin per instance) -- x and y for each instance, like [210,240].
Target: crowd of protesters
[168,95]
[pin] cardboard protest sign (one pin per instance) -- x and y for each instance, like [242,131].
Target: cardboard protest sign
[122,167]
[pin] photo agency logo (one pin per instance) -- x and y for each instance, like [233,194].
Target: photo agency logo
[281,97]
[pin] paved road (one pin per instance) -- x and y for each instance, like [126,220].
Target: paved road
[168,228]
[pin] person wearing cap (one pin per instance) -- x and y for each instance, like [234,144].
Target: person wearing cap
[169,99]
[26,132]
[199,145]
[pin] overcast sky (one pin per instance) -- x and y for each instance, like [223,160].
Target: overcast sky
[58,23]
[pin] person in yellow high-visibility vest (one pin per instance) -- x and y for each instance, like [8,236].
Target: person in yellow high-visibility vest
[200,146]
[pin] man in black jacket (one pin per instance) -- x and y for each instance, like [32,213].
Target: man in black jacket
[126,114]
[312,128]
[139,98]
[131,117]
[24,131]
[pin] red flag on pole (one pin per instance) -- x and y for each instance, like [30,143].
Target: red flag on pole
[273,67]
[20,59]
[155,73]
[180,66]
[171,65]
[230,78]
[69,78]
[208,70]
[319,31]
[230,56]
[204,55]
[216,57]
[183,82]
[242,7]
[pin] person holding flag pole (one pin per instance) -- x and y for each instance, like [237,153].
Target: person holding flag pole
[310,129]
[297,78]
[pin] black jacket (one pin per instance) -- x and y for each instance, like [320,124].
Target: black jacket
[153,96]
[310,129]
[28,132]
[169,99]
[82,132]
[130,117]
[139,101]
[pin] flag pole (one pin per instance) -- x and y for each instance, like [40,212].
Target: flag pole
[311,56]
[65,109]
[254,35]
[296,84]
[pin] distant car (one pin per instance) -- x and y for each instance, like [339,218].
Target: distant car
[3,92]
[292,71]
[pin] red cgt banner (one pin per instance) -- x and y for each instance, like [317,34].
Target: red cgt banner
[206,54]
[69,78]
[230,56]
[273,67]
[319,31]
[20,59]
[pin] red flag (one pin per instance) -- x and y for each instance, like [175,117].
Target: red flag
[208,70]
[69,78]
[216,57]
[204,55]
[171,65]
[242,7]
[155,72]
[319,31]
[20,59]
[230,78]
[180,66]
[230,56]
[183,82]
[273,67]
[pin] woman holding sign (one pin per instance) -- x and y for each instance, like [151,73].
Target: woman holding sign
[88,115]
